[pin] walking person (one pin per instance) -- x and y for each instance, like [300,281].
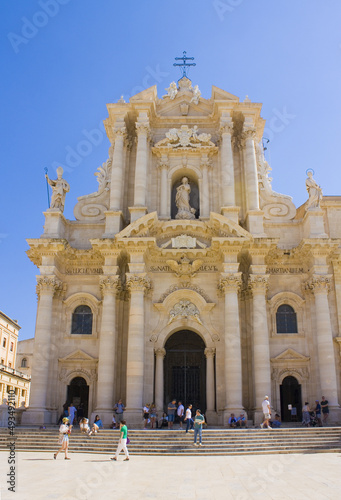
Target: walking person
[317,411]
[325,409]
[64,432]
[146,415]
[122,444]
[306,414]
[72,411]
[119,410]
[171,413]
[180,412]
[188,419]
[267,413]
[153,416]
[198,423]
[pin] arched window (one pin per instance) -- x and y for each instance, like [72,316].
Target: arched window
[82,321]
[286,320]
[23,363]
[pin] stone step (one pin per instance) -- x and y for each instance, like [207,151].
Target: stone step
[164,442]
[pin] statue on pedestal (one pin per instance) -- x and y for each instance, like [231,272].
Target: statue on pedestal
[59,189]
[314,191]
[185,211]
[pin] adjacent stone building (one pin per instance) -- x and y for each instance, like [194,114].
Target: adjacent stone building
[14,383]
[185,275]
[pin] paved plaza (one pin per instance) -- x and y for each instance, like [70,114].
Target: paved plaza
[90,476]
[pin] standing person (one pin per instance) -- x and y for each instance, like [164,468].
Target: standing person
[188,419]
[180,412]
[306,414]
[153,416]
[267,413]
[64,432]
[119,409]
[325,409]
[198,423]
[72,411]
[317,411]
[171,413]
[122,444]
[146,415]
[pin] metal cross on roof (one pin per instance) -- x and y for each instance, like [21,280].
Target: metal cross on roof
[184,65]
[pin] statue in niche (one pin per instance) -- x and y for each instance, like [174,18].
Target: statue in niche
[185,211]
[59,189]
[314,191]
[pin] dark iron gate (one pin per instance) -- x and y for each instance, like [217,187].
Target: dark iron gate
[185,370]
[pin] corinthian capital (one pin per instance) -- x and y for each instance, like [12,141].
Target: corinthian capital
[48,285]
[226,128]
[142,128]
[319,284]
[209,352]
[249,133]
[160,352]
[109,284]
[258,283]
[230,282]
[138,282]
[119,133]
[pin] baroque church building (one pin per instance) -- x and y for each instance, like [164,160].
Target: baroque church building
[185,275]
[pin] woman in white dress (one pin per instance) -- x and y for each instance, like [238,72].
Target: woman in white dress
[64,432]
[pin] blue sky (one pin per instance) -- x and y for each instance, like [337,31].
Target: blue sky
[63,60]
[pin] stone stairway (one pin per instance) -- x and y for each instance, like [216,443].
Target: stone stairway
[176,442]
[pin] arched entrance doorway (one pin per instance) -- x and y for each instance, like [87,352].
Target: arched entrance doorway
[185,370]
[291,395]
[78,394]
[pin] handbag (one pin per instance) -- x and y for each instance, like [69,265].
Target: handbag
[128,440]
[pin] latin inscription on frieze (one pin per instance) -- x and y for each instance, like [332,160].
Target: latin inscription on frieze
[83,270]
[206,268]
[285,270]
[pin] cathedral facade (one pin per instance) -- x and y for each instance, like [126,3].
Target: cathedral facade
[185,275]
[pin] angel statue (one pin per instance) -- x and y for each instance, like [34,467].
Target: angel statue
[196,95]
[59,189]
[185,211]
[172,90]
[314,191]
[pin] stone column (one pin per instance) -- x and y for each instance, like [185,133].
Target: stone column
[140,186]
[204,195]
[251,175]
[258,284]
[137,284]
[159,382]
[116,186]
[163,188]
[106,354]
[210,388]
[229,285]
[227,169]
[44,351]
[320,286]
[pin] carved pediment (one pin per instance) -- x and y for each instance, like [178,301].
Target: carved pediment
[221,226]
[220,95]
[290,355]
[185,137]
[77,356]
